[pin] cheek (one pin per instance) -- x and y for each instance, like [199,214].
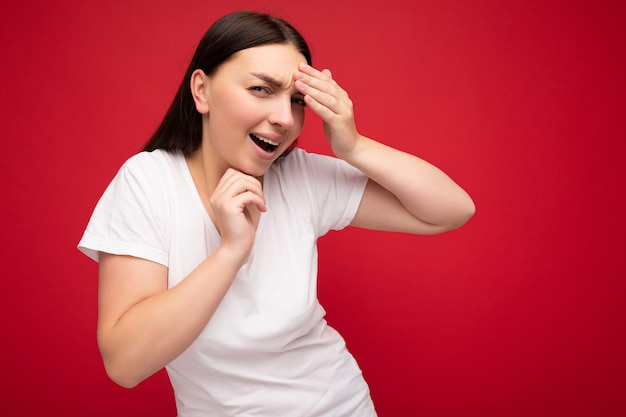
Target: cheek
[298,119]
[235,108]
[242,107]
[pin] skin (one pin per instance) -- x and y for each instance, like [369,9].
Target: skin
[143,325]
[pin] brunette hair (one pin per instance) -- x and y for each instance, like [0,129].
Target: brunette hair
[181,128]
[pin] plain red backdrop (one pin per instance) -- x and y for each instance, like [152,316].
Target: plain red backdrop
[519,313]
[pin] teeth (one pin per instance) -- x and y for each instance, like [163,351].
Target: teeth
[266,140]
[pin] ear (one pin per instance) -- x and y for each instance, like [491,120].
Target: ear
[199,90]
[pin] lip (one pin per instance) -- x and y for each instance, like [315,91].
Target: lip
[261,153]
[271,136]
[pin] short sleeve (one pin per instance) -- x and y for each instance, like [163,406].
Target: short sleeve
[131,217]
[333,188]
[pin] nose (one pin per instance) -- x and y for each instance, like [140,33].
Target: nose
[282,113]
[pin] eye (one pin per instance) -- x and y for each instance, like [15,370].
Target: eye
[260,89]
[298,100]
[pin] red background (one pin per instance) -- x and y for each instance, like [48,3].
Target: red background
[519,313]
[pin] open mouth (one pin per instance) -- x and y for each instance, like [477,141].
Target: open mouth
[267,145]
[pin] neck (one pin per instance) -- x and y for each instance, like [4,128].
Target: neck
[205,178]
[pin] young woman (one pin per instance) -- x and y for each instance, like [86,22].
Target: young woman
[206,241]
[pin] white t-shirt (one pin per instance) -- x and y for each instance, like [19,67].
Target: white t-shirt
[267,350]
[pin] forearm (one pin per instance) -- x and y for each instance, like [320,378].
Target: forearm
[431,202]
[423,189]
[154,331]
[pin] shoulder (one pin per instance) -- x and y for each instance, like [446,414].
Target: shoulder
[318,175]
[327,188]
[318,168]
[155,167]
[300,160]
[155,160]
[145,176]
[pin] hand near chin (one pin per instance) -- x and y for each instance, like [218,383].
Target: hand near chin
[237,203]
[332,103]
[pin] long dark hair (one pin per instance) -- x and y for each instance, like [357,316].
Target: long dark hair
[181,128]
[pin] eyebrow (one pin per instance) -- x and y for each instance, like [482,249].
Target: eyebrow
[268,79]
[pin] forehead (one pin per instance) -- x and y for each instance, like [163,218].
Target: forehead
[276,60]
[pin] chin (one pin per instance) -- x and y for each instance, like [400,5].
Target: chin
[255,171]
[256,167]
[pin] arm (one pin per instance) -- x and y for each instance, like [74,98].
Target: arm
[404,193]
[143,325]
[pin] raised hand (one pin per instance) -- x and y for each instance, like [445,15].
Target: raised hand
[332,104]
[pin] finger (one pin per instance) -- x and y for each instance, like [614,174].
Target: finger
[231,175]
[234,183]
[240,206]
[326,93]
[313,72]
[325,105]
[323,110]
[237,182]
[323,83]
[313,96]
[244,196]
[330,96]
[244,200]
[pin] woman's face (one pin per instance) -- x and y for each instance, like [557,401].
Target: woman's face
[254,111]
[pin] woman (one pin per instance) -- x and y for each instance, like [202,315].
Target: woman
[206,241]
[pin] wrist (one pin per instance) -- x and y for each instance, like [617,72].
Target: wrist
[352,154]
[231,257]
